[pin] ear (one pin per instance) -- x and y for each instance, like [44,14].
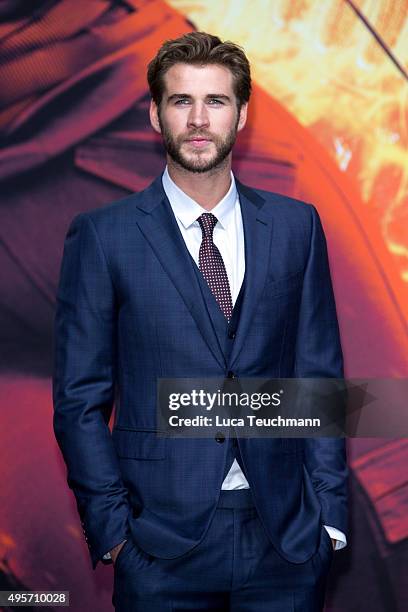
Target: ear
[154,116]
[242,116]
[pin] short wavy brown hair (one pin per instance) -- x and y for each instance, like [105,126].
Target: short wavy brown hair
[200,48]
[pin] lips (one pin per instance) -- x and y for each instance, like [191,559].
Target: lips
[198,142]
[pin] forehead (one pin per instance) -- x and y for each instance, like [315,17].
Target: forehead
[198,80]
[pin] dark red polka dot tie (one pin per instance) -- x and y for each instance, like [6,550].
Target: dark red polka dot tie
[212,266]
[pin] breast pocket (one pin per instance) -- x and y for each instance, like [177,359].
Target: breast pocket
[138,444]
[286,285]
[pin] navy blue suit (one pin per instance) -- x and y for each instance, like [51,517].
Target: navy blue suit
[130,309]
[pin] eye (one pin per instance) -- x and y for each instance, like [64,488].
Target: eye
[182,101]
[215,101]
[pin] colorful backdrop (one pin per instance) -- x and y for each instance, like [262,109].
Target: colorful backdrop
[328,124]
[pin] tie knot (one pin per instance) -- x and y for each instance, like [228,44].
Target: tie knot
[207,223]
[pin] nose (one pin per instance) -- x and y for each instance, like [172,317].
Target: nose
[198,116]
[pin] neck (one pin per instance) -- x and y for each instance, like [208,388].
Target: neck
[205,188]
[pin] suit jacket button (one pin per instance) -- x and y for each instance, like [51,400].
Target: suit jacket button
[230,374]
[219,437]
[231,335]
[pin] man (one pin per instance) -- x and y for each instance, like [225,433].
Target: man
[198,276]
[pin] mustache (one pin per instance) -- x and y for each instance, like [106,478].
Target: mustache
[192,135]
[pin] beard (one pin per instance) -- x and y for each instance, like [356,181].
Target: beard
[196,161]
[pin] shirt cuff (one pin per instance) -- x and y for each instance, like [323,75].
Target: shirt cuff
[107,556]
[336,534]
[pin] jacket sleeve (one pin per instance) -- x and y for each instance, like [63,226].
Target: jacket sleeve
[319,355]
[84,388]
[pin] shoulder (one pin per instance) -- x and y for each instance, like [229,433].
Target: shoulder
[111,217]
[118,211]
[280,207]
[275,200]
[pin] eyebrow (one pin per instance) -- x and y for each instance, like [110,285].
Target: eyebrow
[185,95]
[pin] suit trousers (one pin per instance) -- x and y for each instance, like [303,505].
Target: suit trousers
[234,568]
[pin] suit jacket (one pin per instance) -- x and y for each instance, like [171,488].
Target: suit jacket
[129,311]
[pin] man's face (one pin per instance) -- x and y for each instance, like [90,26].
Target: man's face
[198,116]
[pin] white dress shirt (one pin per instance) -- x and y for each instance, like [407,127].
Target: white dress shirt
[228,236]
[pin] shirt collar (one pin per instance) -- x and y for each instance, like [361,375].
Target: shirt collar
[188,210]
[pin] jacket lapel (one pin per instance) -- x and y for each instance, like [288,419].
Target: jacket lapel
[160,229]
[257,234]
